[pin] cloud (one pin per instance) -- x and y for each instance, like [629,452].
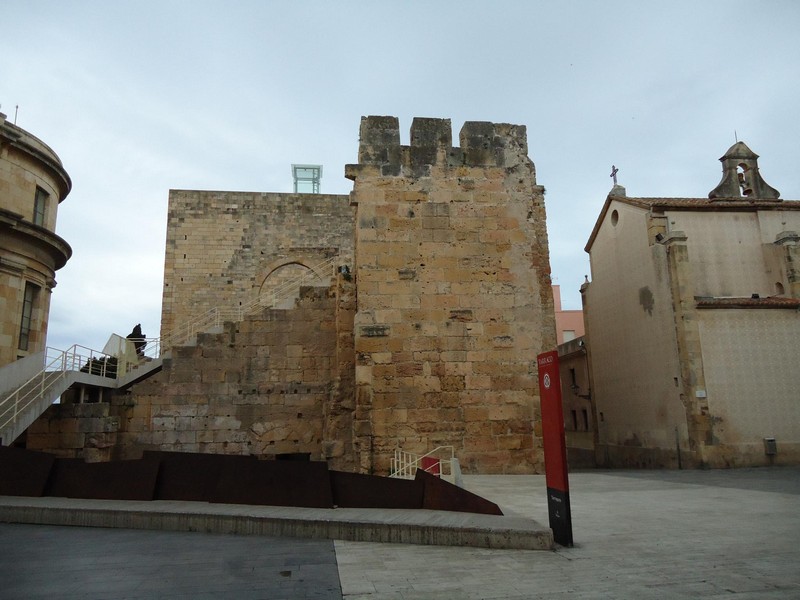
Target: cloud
[138,98]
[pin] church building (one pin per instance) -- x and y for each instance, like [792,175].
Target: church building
[692,321]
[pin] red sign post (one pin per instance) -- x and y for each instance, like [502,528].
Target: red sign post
[555,448]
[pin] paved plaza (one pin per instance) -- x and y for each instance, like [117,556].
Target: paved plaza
[639,534]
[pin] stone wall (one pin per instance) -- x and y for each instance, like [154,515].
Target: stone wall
[87,431]
[454,296]
[428,338]
[267,385]
[225,248]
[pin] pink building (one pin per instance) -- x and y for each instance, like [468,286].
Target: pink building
[569,323]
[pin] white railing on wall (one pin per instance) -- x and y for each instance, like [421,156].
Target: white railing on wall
[57,364]
[440,461]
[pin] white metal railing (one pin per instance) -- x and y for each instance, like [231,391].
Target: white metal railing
[439,461]
[215,317]
[57,364]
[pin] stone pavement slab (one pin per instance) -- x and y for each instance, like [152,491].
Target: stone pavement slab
[639,534]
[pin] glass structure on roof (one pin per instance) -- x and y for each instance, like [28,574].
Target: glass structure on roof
[306,178]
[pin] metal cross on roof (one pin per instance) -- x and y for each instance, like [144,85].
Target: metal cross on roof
[614,171]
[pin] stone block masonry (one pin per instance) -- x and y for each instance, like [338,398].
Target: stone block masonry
[454,296]
[263,387]
[428,338]
[225,249]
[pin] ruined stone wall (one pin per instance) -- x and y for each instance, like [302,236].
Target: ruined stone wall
[454,296]
[87,431]
[430,340]
[279,382]
[258,388]
[225,248]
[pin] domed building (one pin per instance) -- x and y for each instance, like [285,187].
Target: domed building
[33,183]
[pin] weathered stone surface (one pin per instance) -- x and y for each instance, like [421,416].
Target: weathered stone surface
[445,251]
[458,250]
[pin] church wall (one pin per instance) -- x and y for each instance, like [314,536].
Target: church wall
[732,252]
[750,360]
[631,334]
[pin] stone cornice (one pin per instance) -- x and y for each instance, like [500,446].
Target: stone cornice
[13,225]
[24,142]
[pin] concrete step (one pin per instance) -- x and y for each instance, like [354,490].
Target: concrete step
[431,527]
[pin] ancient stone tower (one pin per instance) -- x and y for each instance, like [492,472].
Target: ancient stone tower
[426,300]
[453,294]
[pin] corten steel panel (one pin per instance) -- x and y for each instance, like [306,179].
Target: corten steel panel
[354,490]
[275,483]
[24,472]
[119,480]
[443,495]
[190,476]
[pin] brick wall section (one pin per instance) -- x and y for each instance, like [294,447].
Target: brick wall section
[222,247]
[87,431]
[260,387]
[454,297]
[338,411]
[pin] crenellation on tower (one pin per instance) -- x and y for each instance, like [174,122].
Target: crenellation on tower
[379,143]
[483,144]
[431,142]
[453,280]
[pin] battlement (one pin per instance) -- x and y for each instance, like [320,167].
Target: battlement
[483,144]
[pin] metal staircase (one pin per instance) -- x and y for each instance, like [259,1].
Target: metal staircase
[57,371]
[440,461]
[23,398]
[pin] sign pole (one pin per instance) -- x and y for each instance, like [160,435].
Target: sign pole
[555,448]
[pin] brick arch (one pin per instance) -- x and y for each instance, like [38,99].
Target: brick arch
[269,275]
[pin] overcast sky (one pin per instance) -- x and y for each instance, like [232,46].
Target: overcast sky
[141,97]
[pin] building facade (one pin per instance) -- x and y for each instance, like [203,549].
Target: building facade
[33,183]
[692,323]
[580,423]
[569,322]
